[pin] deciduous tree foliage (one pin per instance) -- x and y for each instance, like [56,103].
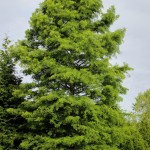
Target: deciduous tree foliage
[9,122]
[72,101]
[142,112]
[133,138]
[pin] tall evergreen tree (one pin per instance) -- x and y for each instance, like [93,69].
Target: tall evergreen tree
[72,102]
[8,83]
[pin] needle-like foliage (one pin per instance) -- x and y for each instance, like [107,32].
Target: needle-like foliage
[72,101]
[9,123]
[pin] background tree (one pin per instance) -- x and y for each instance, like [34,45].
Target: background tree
[142,112]
[133,138]
[72,102]
[9,123]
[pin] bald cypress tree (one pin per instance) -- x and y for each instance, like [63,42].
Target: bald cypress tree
[72,101]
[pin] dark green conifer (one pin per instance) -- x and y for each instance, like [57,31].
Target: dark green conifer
[9,82]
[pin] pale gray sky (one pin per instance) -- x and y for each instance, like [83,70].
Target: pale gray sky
[134,16]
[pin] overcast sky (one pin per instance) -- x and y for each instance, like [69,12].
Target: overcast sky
[134,16]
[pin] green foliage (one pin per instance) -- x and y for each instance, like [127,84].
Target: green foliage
[142,112]
[8,83]
[72,102]
[133,139]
